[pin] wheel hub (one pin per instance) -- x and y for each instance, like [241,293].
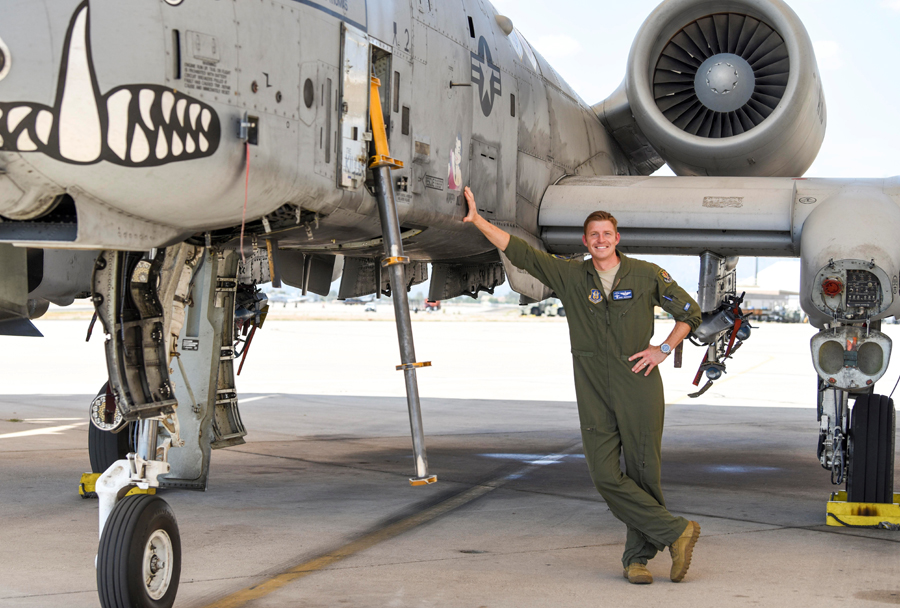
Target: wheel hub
[158,555]
[100,417]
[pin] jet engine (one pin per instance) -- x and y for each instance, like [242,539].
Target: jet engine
[727,88]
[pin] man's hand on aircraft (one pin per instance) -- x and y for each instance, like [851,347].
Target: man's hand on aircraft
[472,215]
[497,236]
[647,360]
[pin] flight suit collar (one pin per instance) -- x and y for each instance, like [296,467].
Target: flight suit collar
[625,266]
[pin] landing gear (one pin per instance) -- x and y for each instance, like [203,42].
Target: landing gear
[139,561]
[857,445]
[870,477]
[141,302]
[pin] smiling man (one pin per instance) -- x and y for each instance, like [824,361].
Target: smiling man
[609,301]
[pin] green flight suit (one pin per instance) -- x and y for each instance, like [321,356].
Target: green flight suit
[619,410]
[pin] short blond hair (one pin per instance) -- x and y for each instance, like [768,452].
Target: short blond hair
[601,216]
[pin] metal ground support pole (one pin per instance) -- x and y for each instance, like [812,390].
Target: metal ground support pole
[395,262]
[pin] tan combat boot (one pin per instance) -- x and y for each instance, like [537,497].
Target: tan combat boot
[682,550]
[637,574]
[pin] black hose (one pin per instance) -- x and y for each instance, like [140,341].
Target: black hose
[885,525]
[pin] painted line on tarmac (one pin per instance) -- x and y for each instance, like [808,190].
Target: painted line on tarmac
[304,569]
[50,430]
[241,401]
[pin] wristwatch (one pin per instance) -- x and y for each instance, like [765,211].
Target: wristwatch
[665,348]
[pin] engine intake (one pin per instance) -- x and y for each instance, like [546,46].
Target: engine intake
[727,88]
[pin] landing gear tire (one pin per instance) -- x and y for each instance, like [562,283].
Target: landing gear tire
[536,311]
[561,312]
[870,477]
[106,447]
[139,561]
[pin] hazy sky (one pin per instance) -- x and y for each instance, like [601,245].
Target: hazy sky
[857,48]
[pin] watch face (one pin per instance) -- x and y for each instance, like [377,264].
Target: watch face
[666,349]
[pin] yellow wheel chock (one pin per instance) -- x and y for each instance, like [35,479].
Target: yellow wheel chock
[872,515]
[87,487]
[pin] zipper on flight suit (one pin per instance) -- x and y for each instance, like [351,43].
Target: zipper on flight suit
[616,284]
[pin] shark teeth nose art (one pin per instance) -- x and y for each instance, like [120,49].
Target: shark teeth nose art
[142,123]
[80,135]
[139,125]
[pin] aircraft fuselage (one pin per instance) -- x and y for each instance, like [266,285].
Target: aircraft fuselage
[138,108]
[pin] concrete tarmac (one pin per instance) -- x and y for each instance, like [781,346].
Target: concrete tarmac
[315,510]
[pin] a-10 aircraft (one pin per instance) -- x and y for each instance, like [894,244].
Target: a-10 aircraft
[165,158]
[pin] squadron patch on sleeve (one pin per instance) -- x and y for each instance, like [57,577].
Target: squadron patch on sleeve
[665,276]
[595,297]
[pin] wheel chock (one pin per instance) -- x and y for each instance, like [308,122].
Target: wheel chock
[841,513]
[423,481]
[86,487]
[136,490]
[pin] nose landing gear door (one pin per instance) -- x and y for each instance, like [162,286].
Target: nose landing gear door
[354,107]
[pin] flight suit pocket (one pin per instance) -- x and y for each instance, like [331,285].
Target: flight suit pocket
[582,353]
[639,295]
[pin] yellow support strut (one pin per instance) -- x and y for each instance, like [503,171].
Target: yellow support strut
[382,156]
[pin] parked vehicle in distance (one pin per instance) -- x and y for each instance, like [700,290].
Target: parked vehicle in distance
[551,308]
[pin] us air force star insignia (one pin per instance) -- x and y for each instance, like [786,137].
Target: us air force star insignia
[596,297]
[665,276]
[486,75]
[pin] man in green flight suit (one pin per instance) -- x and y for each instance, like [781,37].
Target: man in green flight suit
[609,302]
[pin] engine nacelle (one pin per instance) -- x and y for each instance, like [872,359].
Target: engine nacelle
[729,87]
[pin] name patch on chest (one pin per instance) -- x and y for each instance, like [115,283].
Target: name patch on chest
[595,297]
[623,294]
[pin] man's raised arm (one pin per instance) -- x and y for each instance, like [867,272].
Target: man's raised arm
[497,236]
